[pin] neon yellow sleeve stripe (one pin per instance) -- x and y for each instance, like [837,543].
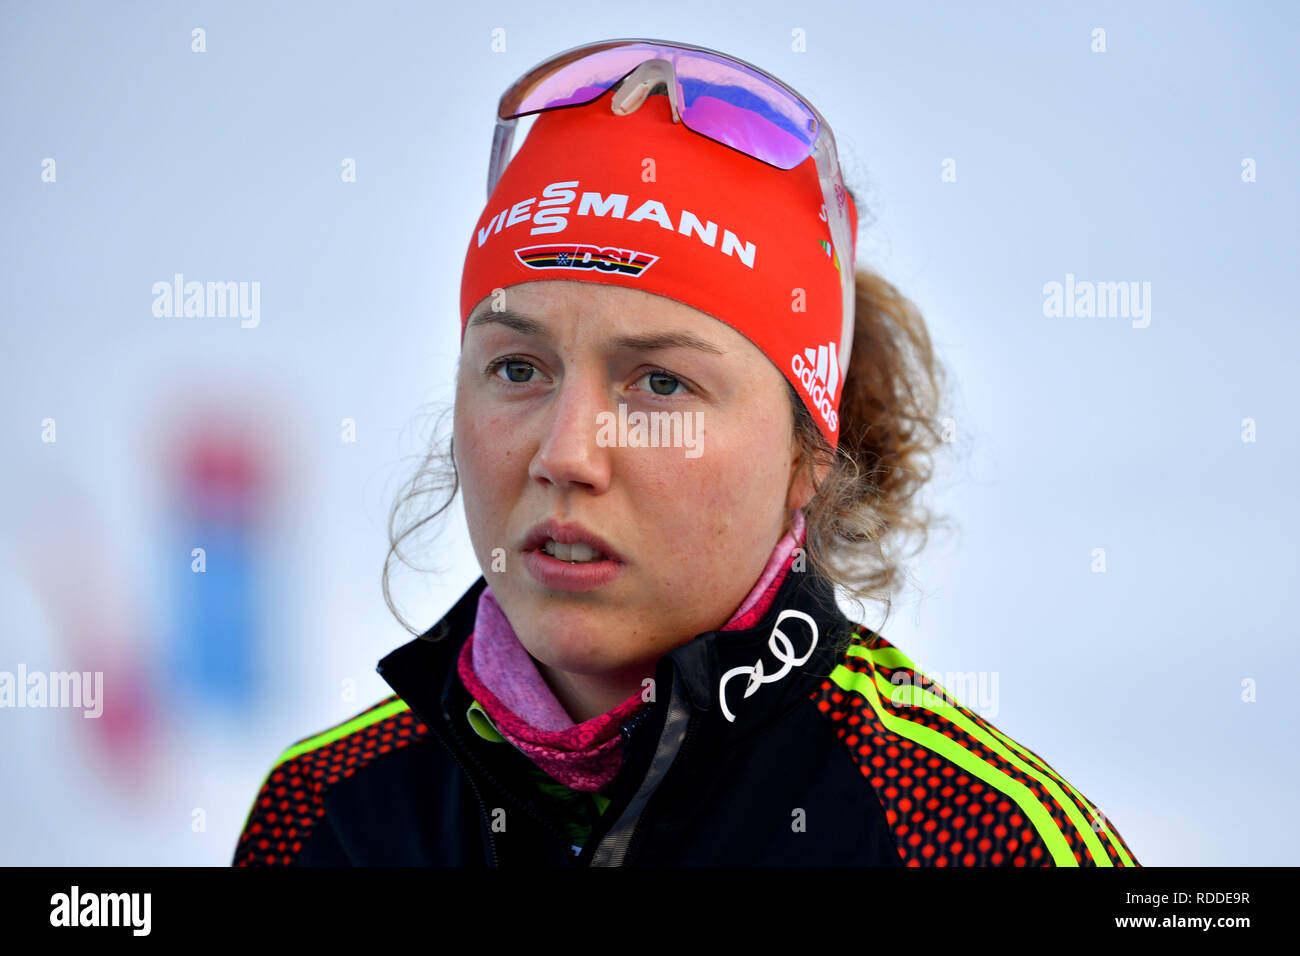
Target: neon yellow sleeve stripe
[327,737]
[972,763]
[893,658]
[936,705]
[1092,811]
[342,730]
[931,702]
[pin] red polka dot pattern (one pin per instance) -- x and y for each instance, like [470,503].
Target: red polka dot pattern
[939,814]
[290,801]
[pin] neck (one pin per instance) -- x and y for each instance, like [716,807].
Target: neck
[584,696]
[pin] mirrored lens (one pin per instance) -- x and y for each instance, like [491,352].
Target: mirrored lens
[744,110]
[583,80]
[721,99]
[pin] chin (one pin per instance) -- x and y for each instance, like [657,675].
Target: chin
[576,653]
[576,637]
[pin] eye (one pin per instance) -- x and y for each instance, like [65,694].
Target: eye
[659,377]
[514,367]
[518,371]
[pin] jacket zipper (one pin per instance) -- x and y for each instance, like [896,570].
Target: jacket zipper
[487,826]
[618,839]
[639,825]
[482,806]
[630,728]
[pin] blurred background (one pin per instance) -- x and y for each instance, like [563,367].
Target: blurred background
[1124,534]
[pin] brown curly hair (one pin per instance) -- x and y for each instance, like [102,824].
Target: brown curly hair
[865,507]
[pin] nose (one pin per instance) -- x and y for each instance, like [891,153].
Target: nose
[569,454]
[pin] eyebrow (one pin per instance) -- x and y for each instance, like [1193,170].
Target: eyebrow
[648,342]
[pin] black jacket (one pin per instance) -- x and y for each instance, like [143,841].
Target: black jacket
[806,739]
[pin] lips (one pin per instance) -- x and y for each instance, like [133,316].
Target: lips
[568,533]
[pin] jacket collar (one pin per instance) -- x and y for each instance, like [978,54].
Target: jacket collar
[423,671]
[739,681]
[734,681]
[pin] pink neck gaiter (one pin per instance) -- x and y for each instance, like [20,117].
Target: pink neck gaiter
[501,675]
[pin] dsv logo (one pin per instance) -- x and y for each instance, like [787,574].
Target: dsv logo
[782,650]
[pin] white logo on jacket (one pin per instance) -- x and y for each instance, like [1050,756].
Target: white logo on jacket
[782,650]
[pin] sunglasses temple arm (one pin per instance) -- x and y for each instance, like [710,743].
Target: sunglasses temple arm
[502,139]
[837,217]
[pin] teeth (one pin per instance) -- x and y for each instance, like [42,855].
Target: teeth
[573,553]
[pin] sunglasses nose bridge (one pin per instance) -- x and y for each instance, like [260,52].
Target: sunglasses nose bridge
[632,92]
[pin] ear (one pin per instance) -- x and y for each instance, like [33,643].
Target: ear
[802,484]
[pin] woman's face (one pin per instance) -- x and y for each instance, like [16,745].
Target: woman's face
[536,437]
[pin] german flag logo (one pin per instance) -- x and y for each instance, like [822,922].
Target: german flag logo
[570,255]
[830,253]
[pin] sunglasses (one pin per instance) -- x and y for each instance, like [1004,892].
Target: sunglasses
[720,97]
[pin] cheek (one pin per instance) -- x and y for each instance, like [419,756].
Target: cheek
[745,463]
[712,500]
[482,433]
[487,459]
[491,472]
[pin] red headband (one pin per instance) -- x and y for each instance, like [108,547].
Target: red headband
[715,229]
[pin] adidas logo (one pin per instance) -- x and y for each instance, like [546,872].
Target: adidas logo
[818,371]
